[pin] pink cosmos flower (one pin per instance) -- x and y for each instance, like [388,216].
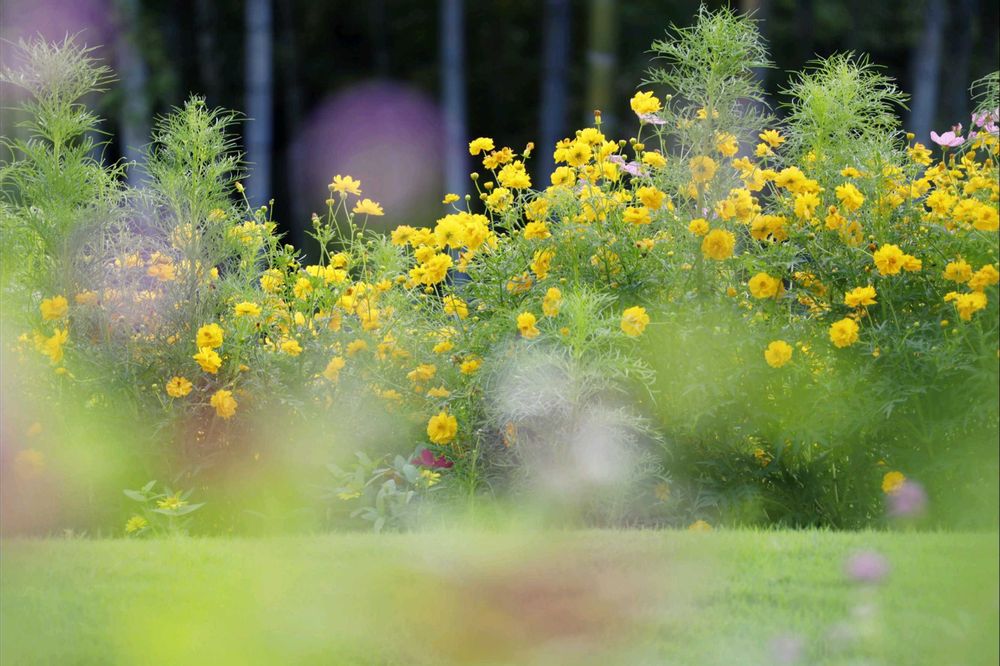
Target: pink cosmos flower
[950,138]
[427,459]
[652,119]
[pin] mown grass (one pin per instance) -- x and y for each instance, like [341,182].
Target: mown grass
[630,597]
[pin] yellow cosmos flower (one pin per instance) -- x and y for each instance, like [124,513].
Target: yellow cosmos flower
[552,302]
[634,321]
[718,245]
[480,145]
[209,361]
[54,308]
[636,215]
[367,207]
[892,481]
[333,368]
[247,309]
[345,185]
[702,169]
[860,296]
[644,103]
[178,387]
[699,226]
[763,285]
[778,353]
[136,524]
[889,259]
[699,526]
[209,335]
[442,427]
[526,325]
[224,403]
[844,333]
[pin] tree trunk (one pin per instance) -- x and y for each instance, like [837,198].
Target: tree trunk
[208,59]
[452,45]
[291,113]
[601,56]
[926,67]
[555,68]
[135,110]
[259,92]
[962,39]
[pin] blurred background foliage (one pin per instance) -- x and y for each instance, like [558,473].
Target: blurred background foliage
[390,90]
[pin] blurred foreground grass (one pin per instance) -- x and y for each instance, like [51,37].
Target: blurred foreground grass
[595,597]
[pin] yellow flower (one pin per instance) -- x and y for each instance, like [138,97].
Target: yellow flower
[702,168]
[514,176]
[422,373]
[552,302]
[727,144]
[699,526]
[653,159]
[536,231]
[224,403]
[303,287]
[526,325]
[367,207]
[850,197]
[479,145]
[636,215]
[892,481]
[450,198]
[208,360]
[651,197]
[844,333]
[54,308]
[247,309]
[470,366]
[718,245]
[763,285]
[889,259]
[178,387]
[333,368]
[563,177]
[438,392]
[987,276]
[291,347]
[345,185]
[441,428]
[136,524]
[860,296]
[698,226]
[52,346]
[634,321]
[455,305]
[171,503]
[778,353]
[967,304]
[645,103]
[356,346]
[209,335]
[771,137]
[958,271]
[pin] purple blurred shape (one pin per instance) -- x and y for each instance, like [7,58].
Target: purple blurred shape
[385,134]
[55,19]
[867,567]
[907,501]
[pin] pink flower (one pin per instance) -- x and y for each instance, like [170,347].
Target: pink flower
[652,119]
[866,567]
[907,501]
[949,139]
[427,459]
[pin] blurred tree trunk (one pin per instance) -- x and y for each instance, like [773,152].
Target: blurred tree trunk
[208,58]
[555,69]
[291,108]
[926,67]
[759,11]
[259,95]
[962,32]
[135,110]
[452,63]
[601,52]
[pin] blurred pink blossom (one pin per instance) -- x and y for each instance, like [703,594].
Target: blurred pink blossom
[866,567]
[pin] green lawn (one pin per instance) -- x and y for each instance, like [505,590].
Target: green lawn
[461,597]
